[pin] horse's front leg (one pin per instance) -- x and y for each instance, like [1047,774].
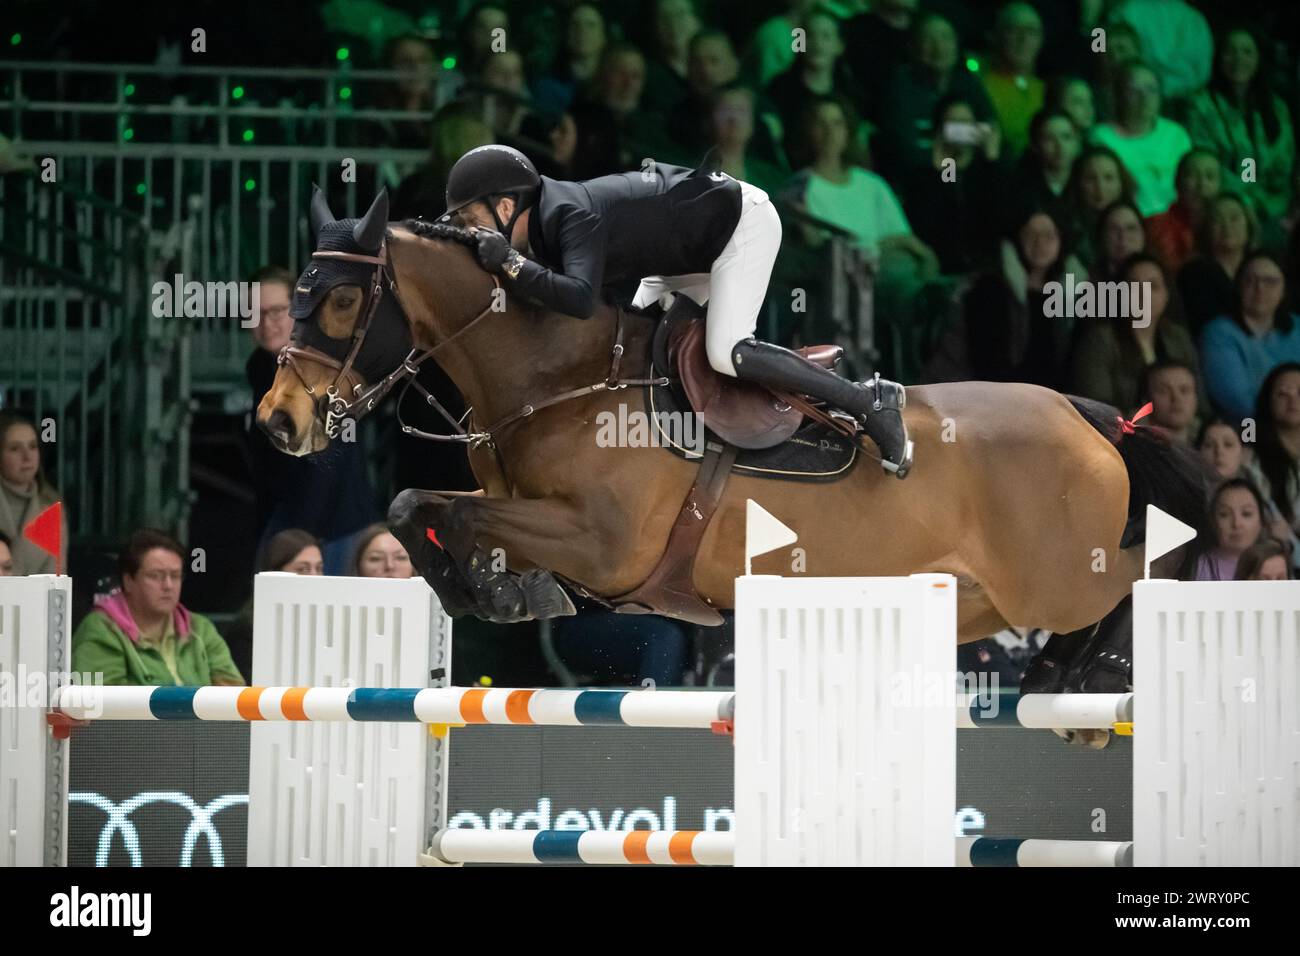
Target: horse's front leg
[486,537]
[410,517]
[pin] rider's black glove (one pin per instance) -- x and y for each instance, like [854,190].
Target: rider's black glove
[493,250]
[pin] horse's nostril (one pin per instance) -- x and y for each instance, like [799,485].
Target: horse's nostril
[280,427]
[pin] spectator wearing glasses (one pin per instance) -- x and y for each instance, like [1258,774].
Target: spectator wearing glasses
[141,633]
[1119,234]
[1239,351]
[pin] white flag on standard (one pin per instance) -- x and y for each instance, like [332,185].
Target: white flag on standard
[1164,533]
[763,533]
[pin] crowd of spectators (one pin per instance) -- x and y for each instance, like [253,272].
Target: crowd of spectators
[982,156]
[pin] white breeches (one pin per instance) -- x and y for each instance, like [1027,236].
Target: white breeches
[737,282]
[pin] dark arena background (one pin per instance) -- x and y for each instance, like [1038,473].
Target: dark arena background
[1097,197]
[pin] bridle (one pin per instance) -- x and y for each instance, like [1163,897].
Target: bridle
[361,401]
[336,407]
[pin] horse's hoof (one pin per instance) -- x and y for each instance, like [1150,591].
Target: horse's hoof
[544,597]
[1093,739]
[504,601]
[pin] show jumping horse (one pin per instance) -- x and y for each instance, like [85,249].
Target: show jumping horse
[1032,499]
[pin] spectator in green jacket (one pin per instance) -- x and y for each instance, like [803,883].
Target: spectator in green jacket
[141,634]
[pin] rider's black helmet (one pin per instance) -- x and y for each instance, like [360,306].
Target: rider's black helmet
[493,171]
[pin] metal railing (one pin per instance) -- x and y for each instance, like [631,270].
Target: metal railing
[189,150]
[216,217]
[98,102]
[847,287]
[81,350]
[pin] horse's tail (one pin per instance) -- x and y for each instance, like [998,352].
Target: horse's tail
[1161,472]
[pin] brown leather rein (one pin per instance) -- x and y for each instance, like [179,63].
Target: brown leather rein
[363,400]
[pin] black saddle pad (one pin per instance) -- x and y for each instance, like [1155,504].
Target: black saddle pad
[813,453]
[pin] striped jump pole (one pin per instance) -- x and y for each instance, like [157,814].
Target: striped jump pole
[593,847]
[985,851]
[1045,711]
[473,705]
[686,710]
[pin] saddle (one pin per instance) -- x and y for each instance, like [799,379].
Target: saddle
[740,415]
[744,414]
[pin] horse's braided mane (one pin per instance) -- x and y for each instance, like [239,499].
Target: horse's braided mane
[441,230]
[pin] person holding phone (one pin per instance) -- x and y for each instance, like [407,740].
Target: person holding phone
[933,72]
[954,203]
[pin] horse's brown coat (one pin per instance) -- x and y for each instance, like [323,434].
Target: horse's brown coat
[1012,491]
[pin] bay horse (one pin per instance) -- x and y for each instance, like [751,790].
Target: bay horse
[1031,498]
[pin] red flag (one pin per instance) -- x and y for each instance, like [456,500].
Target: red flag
[46,532]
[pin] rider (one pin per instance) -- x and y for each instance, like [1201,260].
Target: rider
[702,233]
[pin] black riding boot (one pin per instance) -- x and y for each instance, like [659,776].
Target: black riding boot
[877,404]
